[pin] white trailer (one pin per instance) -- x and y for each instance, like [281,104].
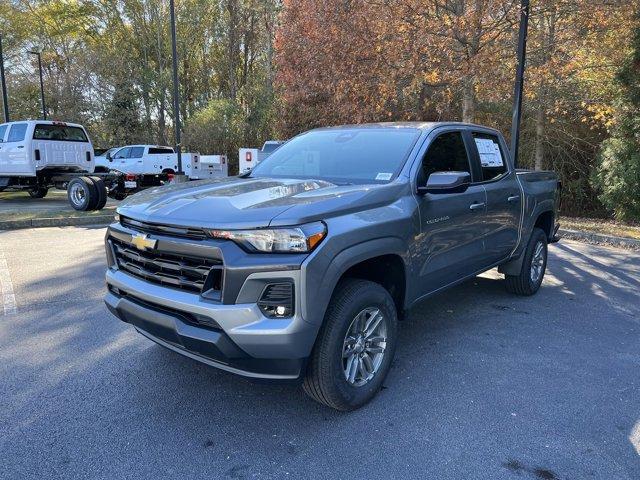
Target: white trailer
[213,166]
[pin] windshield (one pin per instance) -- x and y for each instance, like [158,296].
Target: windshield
[355,155]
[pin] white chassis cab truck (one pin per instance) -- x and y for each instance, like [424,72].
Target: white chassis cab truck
[36,155]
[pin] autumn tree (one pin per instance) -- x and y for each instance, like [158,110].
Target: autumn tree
[618,173]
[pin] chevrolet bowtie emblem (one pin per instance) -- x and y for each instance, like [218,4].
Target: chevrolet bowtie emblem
[143,242]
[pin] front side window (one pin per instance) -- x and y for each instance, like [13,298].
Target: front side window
[3,130]
[17,132]
[60,133]
[446,153]
[351,155]
[136,152]
[122,153]
[492,159]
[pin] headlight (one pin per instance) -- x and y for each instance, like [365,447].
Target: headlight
[116,217]
[300,239]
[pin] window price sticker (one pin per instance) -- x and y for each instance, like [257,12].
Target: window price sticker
[489,151]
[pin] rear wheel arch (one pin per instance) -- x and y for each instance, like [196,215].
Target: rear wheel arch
[545,222]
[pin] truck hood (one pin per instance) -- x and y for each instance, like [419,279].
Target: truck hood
[239,203]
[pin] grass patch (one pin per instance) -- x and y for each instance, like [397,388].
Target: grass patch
[31,215]
[602,226]
[16,206]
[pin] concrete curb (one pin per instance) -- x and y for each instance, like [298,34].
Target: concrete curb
[599,239]
[56,222]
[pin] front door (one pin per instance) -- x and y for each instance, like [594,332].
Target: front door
[16,156]
[121,160]
[450,245]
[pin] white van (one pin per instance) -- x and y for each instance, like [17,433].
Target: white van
[33,146]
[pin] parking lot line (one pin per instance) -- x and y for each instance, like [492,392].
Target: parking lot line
[6,287]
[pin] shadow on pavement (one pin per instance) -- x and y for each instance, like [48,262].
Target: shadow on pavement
[484,385]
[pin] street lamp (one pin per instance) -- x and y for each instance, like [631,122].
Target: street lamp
[176,98]
[44,107]
[3,84]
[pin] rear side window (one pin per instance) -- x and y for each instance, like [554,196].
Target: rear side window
[3,130]
[59,133]
[446,153]
[17,132]
[159,150]
[492,159]
[136,152]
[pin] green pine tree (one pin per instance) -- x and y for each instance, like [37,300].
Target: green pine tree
[618,172]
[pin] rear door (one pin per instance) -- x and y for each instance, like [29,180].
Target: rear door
[504,195]
[136,162]
[450,245]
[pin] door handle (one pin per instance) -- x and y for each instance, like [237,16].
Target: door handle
[513,199]
[476,206]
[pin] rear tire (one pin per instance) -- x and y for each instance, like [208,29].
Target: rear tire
[102,192]
[82,194]
[534,266]
[355,346]
[38,192]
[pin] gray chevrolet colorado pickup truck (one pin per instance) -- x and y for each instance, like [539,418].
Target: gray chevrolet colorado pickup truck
[300,269]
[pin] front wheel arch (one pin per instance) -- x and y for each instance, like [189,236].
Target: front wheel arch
[345,260]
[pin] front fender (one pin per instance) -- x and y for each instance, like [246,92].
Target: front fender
[318,283]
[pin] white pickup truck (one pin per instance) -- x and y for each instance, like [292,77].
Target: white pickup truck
[150,160]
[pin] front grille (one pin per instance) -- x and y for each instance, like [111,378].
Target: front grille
[192,274]
[182,232]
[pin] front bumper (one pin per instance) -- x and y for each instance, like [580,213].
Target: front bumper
[211,346]
[236,336]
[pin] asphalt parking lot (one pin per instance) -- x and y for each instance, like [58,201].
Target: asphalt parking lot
[485,384]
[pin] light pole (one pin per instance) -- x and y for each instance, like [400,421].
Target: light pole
[3,82]
[519,86]
[44,107]
[176,93]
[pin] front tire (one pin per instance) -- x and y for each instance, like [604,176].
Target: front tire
[355,346]
[534,266]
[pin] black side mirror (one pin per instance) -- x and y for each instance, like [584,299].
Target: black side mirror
[108,156]
[446,182]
